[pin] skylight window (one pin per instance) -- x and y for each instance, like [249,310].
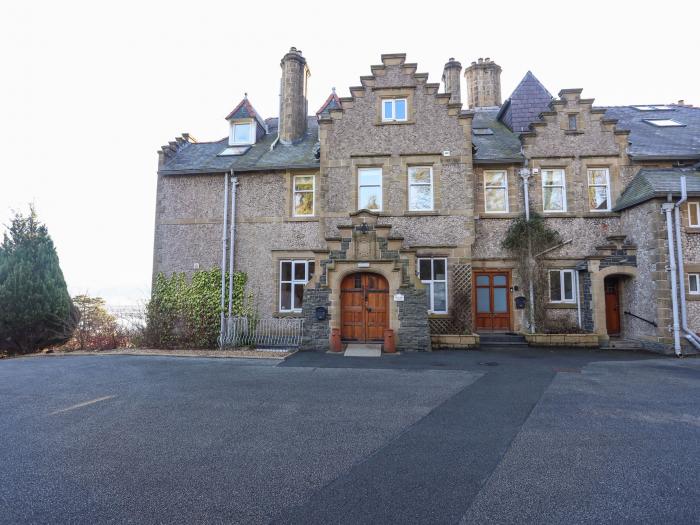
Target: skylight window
[664,122]
[482,131]
[235,150]
[653,108]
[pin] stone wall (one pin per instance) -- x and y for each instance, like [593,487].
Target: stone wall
[414,332]
[316,333]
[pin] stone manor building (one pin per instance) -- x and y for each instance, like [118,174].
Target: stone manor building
[386,209]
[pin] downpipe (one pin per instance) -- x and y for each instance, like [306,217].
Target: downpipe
[667,208]
[687,332]
[232,250]
[223,261]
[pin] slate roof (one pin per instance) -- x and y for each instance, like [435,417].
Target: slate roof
[523,107]
[651,183]
[502,146]
[202,157]
[652,142]
[332,102]
[245,109]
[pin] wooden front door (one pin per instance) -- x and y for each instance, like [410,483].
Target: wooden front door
[612,305]
[491,300]
[364,304]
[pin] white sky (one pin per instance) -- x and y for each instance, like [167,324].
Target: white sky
[90,90]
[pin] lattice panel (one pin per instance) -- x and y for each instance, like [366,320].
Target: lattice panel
[461,304]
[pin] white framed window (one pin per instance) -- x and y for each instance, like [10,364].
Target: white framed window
[294,274]
[694,214]
[553,190]
[304,186]
[561,286]
[420,188]
[242,133]
[496,192]
[694,283]
[433,272]
[599,189]
[394,109]
[369,189]
[664,122]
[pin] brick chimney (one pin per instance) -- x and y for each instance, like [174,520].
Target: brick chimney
[483,83]
[293,104]
[450,78]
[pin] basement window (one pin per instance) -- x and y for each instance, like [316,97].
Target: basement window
[664,122]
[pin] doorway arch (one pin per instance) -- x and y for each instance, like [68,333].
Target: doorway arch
[364,307]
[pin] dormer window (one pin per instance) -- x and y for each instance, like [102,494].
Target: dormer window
[242,133]
[394,110]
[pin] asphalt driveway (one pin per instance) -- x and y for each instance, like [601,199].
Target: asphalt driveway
[473,437]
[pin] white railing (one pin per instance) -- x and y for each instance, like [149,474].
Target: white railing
[261,333]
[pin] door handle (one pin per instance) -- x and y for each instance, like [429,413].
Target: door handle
[369,309]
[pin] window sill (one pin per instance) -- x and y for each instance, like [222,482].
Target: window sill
[561,306]
[302,219]
[573,132]
[497,215]
[692,230]
[427,213]
[692,297]
[445,315]
[394,122]
[280,315]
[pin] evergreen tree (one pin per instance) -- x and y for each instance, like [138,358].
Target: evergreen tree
[35,308]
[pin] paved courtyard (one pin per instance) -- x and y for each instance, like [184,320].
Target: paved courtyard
[502,436]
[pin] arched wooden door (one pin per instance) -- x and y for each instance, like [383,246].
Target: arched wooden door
[364,304]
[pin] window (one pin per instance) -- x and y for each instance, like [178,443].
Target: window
[394,109]
[694,214]
[234,150]
[495,192]
[369,194]
[573,122]
[241,133]
[599,189]
[304,195]
[482,131]
[694,283]
[663,122]
[553,190]
[653,108]
[433,272]
[420,188]
[561,286]
[293,277]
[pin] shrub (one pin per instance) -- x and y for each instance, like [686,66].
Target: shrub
[185,313]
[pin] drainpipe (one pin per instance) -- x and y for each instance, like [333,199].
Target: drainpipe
[578,298]
[279,121]
[234,184]
[667,208]
[688,333]
[525,175]
[223,260]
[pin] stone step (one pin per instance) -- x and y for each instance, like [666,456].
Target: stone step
[622,344]
[363,350]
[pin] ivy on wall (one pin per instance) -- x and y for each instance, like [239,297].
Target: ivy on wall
[185,313]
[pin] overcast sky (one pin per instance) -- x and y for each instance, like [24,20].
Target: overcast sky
[91,90]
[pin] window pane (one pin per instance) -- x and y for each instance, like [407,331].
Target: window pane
[497,179]
[387,110]
[553,199]
[568,286]
[298,295]
[439,269]
[597,177]
[304,203]
[553,178]
[693,284]
[424,270]
[483,300]
[439,297]
[554,286]
[287,271]
[370,177]
[400,109]
[241,132]
[312,268]
[495,199]
[419,175]
[300,271]
[420,198]
[482,280]
[304,183]
[693,214]
[370,198]
[499,280]
[572,121]
[286,296]
[500,304]
[598,197]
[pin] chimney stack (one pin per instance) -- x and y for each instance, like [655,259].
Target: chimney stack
[293,104]
[483,83]
[450,78]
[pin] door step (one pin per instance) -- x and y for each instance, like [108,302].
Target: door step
[509,340]
[363,350]
[622,344]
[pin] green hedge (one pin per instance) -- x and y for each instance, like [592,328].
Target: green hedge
[185,313]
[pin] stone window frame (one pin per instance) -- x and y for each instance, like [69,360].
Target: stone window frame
[393,101]
[251,135]
[307,277]
[358,169]
[409,167]
[295,191]
[562,272]
[504,187]
[289,196]
[565,207]
[696,277]
[696,205]
[398,92]
[572,118]
[432,280]
[608,185]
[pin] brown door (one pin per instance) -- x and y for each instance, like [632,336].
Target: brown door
[364,303]
[612,305]
[492,300]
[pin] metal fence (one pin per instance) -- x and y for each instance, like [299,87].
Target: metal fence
[261,333]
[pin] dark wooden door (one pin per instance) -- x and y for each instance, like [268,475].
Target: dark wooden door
[364,304]
[491,300]
[612,305]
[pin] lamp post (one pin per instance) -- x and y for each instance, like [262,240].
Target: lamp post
[525,174]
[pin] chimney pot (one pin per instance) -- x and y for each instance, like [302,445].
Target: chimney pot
[450,78]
